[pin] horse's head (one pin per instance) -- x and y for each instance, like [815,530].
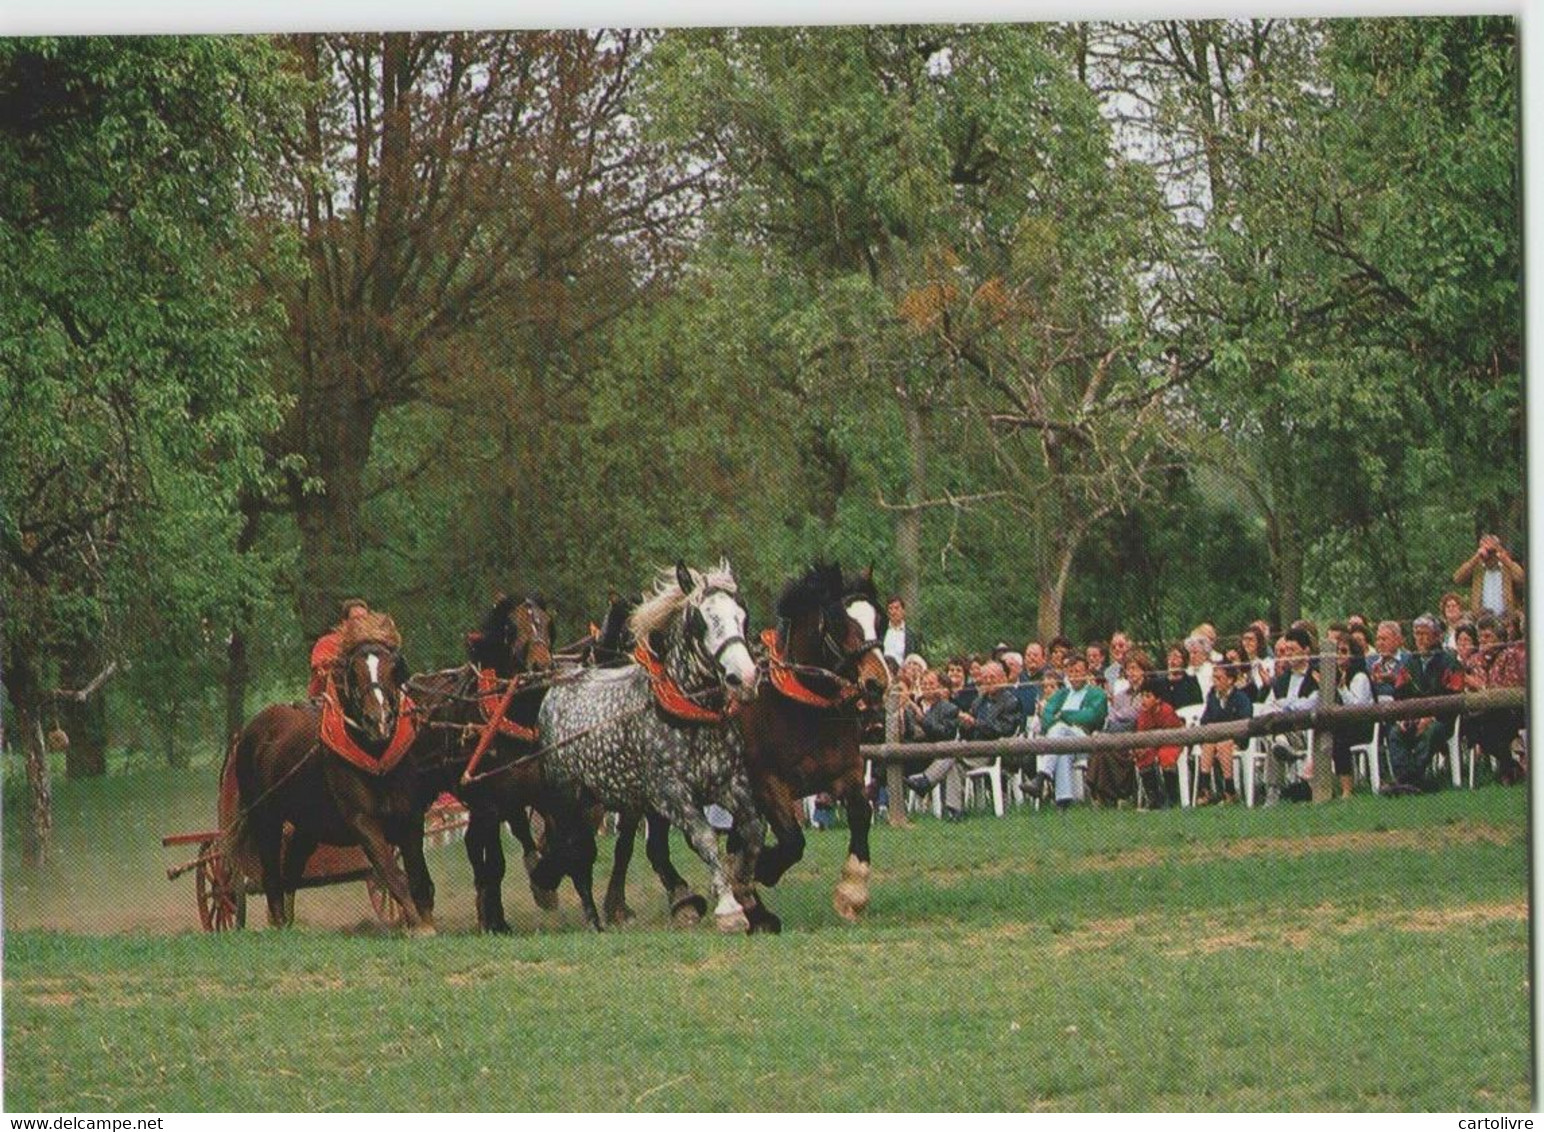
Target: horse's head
[832,622]
[863,658]
[370,690]
[515,636]
[709,622]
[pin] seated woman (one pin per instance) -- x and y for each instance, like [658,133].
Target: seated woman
[1111,776]
[1262,666]
[1507,667]
[1352,687]
[1178,688]
[1157,765]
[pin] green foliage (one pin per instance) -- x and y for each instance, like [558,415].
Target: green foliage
[802,279]
[132,405]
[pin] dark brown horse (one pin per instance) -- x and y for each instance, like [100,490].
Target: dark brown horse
[802,733]
[288,774]
[513,643]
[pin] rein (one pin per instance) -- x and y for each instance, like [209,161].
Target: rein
[785,677]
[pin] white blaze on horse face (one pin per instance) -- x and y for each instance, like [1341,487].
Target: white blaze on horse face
[867,616]
[726,621]
[373,663]
[863,612]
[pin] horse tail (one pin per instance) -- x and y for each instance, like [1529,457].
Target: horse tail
[239,771]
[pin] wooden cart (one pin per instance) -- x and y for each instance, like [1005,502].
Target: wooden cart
[223,879]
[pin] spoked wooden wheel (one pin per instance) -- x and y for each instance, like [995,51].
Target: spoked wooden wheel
[222,892]
[387,910]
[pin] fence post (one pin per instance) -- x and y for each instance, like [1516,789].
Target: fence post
[1323,782]
[895,772]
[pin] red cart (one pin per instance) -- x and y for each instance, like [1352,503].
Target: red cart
[223,878]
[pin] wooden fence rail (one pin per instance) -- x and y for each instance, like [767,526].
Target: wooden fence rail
[1323,720]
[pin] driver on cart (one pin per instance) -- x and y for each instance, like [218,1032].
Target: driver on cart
[325,651]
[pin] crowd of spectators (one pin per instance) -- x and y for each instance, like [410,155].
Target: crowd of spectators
[1057,688]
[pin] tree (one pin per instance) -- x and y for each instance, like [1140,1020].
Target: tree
[968,243]
[1349,189]
[449,192]
[128,392]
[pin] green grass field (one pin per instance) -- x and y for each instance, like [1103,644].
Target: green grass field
[1363,955]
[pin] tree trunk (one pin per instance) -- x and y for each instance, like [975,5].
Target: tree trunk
[176,756]
[238,666]
[84,722]
[339,432]
[908,522]
[1051,589]
[1289,571]
[21,683]
[37,838]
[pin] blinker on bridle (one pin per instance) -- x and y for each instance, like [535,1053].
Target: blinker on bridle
[851,657]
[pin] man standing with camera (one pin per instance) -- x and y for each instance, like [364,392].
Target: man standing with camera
[1494,577]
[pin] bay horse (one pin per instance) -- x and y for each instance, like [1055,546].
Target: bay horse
[512,643]
[658,736]
[334,770]
[802,733]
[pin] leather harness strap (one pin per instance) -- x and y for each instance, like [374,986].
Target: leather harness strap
[336,738]
[669,696]
[786,680]
[490,695]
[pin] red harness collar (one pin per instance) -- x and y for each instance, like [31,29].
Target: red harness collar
[669,696]
[490,694]
[787,681]
[335,736]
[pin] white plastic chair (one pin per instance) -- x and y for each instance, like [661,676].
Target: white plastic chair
[1189,755]
[1369,756]
[991,774]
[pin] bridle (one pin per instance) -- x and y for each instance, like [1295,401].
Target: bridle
[533,612]
[847,660]
[697,624]
[354,693]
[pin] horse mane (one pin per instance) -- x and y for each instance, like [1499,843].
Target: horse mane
[482,644]
[665,602]
[862,585]
[372,628]
[820,587]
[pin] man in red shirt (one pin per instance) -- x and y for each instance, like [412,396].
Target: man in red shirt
[325,651]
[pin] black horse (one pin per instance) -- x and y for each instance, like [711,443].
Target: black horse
[335,771]
[513,643]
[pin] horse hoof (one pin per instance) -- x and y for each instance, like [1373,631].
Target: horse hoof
[500,928]
[851,896]
[546,898]
[763,921]
[422,930]
[620,915]
[850,900]
[689,910]
[734,923]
